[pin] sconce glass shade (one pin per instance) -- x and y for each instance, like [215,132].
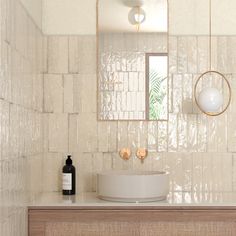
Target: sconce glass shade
[136,16]
[210,100]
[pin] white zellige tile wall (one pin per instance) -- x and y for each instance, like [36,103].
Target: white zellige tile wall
[21,119]
[197,150]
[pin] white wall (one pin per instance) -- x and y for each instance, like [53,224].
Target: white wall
[191,17]
[69,17]
[34,8]
[224,17]
[187,17]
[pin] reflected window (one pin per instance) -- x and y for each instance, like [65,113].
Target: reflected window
[156,86]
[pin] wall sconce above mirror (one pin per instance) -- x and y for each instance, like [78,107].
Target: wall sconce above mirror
[132,57]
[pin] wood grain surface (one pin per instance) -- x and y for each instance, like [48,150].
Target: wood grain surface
[130,222]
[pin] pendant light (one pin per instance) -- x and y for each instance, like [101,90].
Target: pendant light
[136,16]
[210,100]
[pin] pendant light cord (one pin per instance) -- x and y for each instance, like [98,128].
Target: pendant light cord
[138,25]
[210,36]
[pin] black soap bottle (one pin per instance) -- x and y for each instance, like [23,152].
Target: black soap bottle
[68,178]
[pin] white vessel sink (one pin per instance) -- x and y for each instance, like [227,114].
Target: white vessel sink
[132,186]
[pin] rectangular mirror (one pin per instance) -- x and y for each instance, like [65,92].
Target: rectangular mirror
[132,58]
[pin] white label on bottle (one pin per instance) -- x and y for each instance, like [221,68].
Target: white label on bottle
[67,181]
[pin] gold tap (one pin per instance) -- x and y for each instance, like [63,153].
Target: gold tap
[142,154]
[125,153]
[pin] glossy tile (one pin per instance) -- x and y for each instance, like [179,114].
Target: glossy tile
[185,145]
[58,54]
[53,93]
[21,124]
[58,132]
[74,62]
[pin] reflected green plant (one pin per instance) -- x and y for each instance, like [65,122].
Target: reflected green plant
[156,95]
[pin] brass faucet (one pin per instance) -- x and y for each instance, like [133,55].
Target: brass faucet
[125,153]
[142,154]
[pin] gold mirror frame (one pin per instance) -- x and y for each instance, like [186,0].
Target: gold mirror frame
[195,92]
[97,68]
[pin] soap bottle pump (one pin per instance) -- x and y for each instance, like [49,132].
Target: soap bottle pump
[68,177]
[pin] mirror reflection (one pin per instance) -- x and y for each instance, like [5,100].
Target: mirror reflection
[132,59]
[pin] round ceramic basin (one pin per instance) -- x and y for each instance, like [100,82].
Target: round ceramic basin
[133,186]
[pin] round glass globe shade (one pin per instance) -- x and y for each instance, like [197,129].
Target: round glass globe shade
[210,100]
[136,16]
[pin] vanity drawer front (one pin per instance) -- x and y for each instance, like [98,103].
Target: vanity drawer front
[132,222]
